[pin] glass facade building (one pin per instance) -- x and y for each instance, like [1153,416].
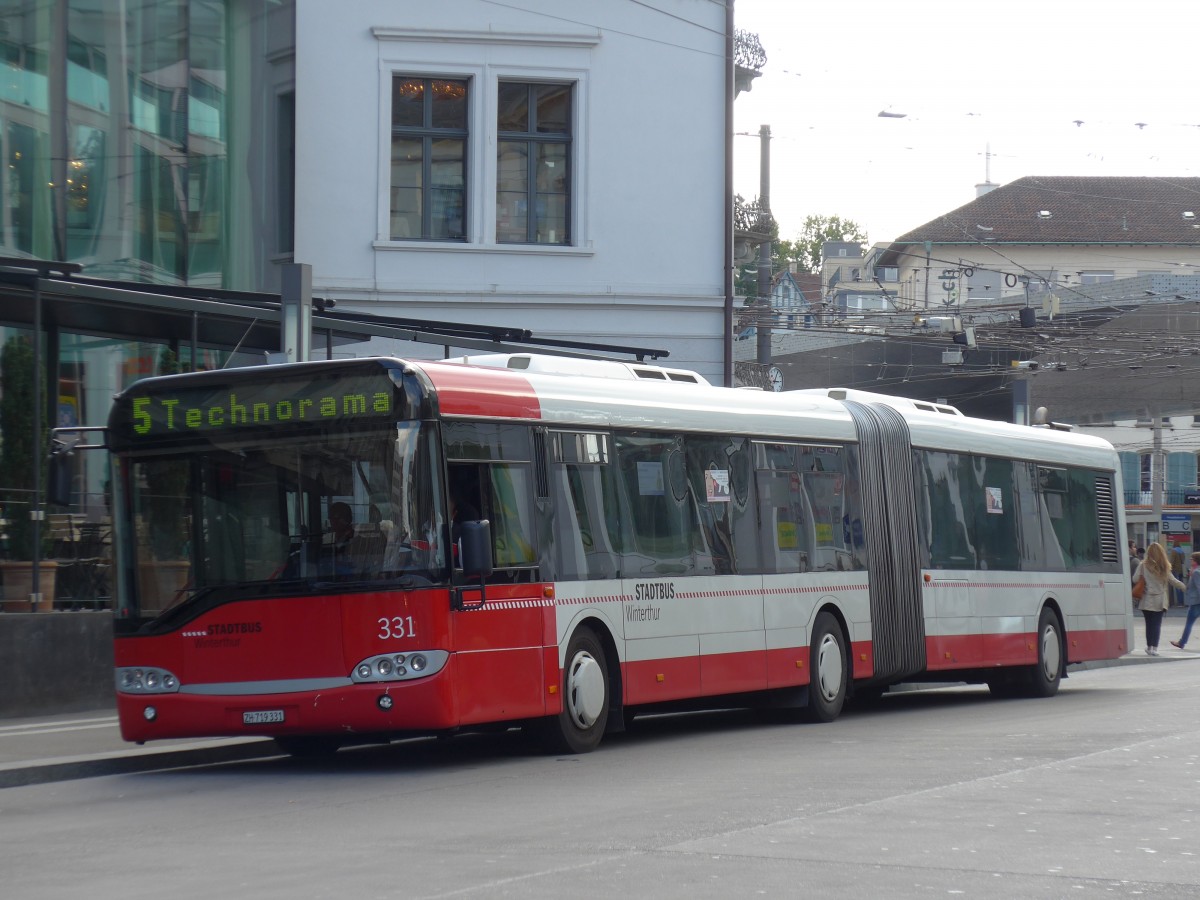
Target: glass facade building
[147,142]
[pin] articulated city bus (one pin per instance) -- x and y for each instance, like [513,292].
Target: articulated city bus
[351,551]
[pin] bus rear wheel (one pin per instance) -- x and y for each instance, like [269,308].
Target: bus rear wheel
[1044,678]
[1041,679]
[585,698]
[829,671]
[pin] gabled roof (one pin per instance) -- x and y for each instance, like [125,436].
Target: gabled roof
[810,284]
[807,284]
[1069,209]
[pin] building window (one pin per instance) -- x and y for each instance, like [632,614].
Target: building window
[429,159]
[1147,472]
[533,163]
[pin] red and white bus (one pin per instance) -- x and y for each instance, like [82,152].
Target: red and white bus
[562,544]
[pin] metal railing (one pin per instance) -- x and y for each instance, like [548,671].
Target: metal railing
[80,546]
[1170,497]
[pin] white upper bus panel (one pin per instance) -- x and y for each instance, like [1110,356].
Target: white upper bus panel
[589,368]
[901,403]
[600,394]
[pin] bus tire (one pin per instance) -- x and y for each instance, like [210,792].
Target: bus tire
[829,671]
[1044,678]
[585,698]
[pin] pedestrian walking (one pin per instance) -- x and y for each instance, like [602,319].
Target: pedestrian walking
[1155,571]
[1177,569]
[1191,597]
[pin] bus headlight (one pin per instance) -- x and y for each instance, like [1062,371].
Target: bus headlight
[400,666]
[146,680]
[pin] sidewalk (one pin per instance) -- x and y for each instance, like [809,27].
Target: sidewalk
[1172,629]
[83,745]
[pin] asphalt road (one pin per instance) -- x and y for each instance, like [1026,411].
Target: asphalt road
[934,793]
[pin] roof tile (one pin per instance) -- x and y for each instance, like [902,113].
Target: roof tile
[1073,210]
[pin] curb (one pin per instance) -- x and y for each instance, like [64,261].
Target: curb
[121,762]
[1130,659]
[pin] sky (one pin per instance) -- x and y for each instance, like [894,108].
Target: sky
[1053,87]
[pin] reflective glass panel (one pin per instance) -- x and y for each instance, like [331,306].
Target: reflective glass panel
[513,102]
[449,104]
[553,108]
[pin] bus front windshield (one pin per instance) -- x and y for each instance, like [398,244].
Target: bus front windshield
[282,516]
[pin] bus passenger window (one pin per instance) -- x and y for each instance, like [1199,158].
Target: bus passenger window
[662,517]
[587,534]
[716,468]
[945,501]
[512,516]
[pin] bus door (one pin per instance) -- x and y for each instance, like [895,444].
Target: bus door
[796,541]
[729,610]
[499,635]
[660,555]
[945,513]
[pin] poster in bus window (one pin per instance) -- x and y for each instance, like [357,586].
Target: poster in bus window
[995,501]
[716,485]
[786,533]
[825,493]
[651,482]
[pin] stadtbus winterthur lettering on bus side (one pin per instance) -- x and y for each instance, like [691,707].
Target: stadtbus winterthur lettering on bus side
[344,551]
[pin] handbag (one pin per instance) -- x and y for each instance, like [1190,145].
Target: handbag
[1138,590]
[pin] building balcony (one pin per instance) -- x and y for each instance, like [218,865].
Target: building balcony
[752,226]
[748,60]
[1186,499]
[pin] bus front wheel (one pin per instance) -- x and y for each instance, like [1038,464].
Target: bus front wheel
[829,672]
[585,698]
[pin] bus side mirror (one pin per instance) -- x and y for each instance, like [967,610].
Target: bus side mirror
[58,487]
[476,540]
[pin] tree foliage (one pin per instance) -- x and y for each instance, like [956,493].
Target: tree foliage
[804,249]
[817,231]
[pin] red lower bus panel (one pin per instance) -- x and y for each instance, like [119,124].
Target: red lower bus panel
[1009,650]
[787,667]
[1084,645]
[953,651]
[663,679]
[731,673]
[500,685]
[862,659]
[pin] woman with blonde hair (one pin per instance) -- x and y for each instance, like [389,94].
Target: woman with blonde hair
[1155,571]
